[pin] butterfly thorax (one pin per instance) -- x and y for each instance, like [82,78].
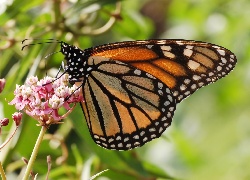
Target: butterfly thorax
[76,65]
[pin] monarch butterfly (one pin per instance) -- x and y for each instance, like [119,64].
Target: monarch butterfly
[131,88]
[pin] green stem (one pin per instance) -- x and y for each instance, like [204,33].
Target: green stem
[2,172]
[34,153]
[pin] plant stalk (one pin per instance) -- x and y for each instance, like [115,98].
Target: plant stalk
[34,153]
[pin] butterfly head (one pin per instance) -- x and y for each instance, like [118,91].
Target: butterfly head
[75,65]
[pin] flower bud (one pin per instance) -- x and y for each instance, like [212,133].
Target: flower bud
[4,122]
[2,84]
[17,117]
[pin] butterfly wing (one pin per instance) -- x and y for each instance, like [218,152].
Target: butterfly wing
[131,88]
[124,106]
[183,65]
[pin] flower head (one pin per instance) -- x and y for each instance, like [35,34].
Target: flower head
[43,99]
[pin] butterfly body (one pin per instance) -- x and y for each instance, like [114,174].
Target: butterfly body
[131,88]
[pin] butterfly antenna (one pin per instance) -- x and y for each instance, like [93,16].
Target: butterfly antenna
[50,54]
[60,68]
[44,41]
[54,79]
[68,97]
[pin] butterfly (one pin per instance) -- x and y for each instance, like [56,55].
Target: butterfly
[131,88]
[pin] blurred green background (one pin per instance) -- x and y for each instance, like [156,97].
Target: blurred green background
[210,134]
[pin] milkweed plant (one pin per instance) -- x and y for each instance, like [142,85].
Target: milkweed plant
[42,100]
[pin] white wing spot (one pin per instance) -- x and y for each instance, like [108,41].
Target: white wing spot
[183,87]
[166,103]
[168,54]
[194,86]
[118,138]
[120,145]
[136,137]
[160,130]
[171,109]
[216,47]
[142,133]
[152,130]
[112,145]
[208,79]
[164,119]
[170,98]
[187,81]
[128,145]
[201,84]
[175,93]
[150,76]
[196,77]
[166,48]
[149,46]
[188,52]
[224,61]
[153,136]
[104,144]
[110,140]
[160,85]
[136,143]
[160,92]
[102,138]
[210,74]
[165,124]
[221,52]
[219,68]
[167,90]
[137,72]
[180,97]
[89,68]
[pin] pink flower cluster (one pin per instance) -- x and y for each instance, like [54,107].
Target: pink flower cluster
[43,99]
